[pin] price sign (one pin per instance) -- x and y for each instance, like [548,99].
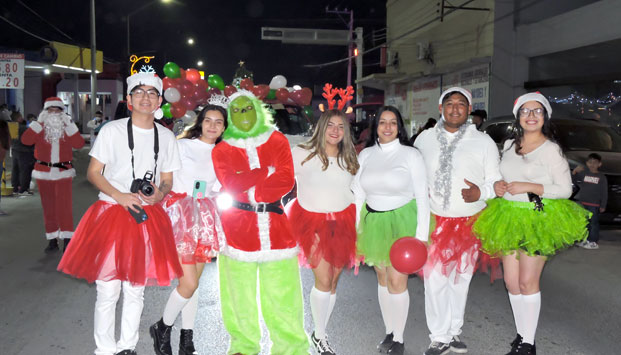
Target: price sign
[11,71]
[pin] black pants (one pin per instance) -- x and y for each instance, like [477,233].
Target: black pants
[23,163]
[593,224]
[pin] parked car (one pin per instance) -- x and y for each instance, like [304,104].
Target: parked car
[579,138]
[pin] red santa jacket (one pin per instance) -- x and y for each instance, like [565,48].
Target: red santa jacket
[253,170]
[57,152]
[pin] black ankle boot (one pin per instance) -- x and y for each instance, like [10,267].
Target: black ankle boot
[160,333]
[66,244]
[186,342]
[515,344]
[386,344]
[527,349]
[52,246]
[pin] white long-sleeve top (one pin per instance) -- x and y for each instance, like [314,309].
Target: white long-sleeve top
[196,164]
[474,159]
[390,176]
[545,165]
[321,191]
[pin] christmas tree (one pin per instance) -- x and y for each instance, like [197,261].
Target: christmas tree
[241,73]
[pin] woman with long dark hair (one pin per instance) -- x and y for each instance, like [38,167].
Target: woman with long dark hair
[534,218]
[392,201]
[323,217]
[195,221]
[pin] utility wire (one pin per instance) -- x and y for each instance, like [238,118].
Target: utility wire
[44,20]
[23,30]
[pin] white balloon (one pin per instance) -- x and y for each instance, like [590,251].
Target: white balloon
[172,95]
[189,117]
[278,82]
[297,87]
[178,127]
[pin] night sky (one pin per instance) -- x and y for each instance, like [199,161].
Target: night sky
[225,33]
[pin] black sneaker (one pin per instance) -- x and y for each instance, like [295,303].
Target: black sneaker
[437,348]
[397,348]
[160,333]
[52,246]
[385,344]
[458,346]
[527,349]
[515,344]
[321,346]
[186,342]
[127,352]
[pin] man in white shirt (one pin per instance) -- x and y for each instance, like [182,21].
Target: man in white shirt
[462,167]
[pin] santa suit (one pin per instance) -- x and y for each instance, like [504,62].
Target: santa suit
[259,245]
[54,182]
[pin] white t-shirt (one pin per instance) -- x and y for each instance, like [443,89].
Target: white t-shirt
[390,176]
[112,149]
[545,165]
[196,164]
[321,191]
[475,158]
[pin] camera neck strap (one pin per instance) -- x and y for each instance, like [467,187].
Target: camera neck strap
[130,142]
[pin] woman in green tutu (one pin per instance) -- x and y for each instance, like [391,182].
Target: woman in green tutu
[534,217]
[390,191]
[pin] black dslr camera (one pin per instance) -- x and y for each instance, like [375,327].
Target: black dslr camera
[143,185]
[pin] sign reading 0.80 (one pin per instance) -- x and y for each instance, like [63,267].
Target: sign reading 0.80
[11,71]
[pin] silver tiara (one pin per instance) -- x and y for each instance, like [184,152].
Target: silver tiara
[218,100]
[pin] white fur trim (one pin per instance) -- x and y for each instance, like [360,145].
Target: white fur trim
[65,234]
[270,170]
[146,79]
[263,222]
[36,127]
[463,91]
[251,198]
[54,103]
[239,93]
[253,157]
[53,174]
[260,256]
[532,96]
[252,141]
[71,129]
[52,235]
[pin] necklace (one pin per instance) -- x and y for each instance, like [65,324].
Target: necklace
[442,184]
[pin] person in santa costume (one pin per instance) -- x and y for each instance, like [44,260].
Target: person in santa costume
[195,221]
[125,240]
[54,137]
[534,218]
[462,168]
[253,163]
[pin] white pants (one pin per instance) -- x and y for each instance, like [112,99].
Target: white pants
[108,293]
[445,301]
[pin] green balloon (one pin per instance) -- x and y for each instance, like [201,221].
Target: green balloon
[308,111]
[271,95]
[215,81]
[166,109]
[171,70]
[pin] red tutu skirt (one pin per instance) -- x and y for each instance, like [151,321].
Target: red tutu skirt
[454,246]
[328,236]
[196,226]
[108,245]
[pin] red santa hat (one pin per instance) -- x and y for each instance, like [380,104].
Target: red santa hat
[144,78]
[53,102]
[532,96]
[462,91]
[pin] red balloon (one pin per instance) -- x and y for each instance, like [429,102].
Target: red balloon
[188,102]
[229,90]
[306,96]
[199,95]
[167,83]
[298,97]
[193,75]
[282,95]
[182,73]
[185,87]
[261,91]
[177,111]
[202,84]
[408,255]
[246,84]
[214,91]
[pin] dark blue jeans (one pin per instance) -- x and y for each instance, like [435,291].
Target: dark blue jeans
[593,224]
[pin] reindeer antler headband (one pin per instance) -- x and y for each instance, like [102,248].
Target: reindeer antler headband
[345,95]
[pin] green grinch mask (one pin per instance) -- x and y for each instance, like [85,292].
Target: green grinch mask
[247,118]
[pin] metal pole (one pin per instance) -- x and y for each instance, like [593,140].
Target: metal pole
[360,46]
[93,65]
[128,53]
[350,48]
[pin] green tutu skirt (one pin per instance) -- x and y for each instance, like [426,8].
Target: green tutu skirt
[506,226]
[377,231]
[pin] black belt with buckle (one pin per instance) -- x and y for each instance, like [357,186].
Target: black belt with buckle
[62,165]
[260,207]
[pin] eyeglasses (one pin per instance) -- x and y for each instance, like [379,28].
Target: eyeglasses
[139,93]
[525,112]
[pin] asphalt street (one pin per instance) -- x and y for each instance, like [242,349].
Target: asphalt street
[46,312]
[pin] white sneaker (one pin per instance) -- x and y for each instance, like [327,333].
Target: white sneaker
[591,245]
[2,213]
[582,244]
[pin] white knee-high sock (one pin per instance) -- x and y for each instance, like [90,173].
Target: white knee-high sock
[320,303]
[175,303]
[531,305]
[188,313]
[518,315]
[330,307]
[400,304]
[384,301]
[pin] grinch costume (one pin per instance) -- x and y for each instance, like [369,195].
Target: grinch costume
[254,166]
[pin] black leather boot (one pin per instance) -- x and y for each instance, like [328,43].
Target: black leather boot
[186,342]
[52,246]
[160,333]
[515,344]
[66,244]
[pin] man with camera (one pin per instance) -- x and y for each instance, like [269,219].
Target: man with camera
[125,239]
